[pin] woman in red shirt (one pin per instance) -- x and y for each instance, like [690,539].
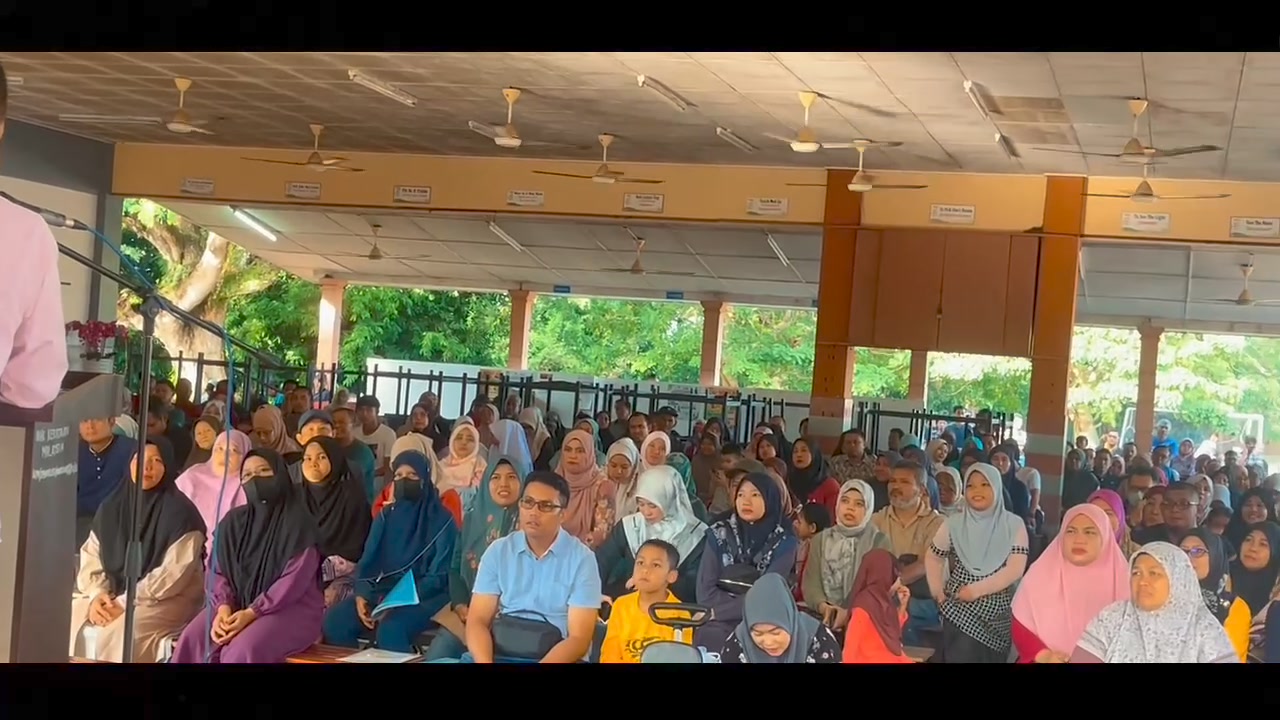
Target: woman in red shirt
[877,612]
[808,478]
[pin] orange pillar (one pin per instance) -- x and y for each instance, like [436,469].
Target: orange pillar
[329,337]
[713,317]
[918,382]
[521,320]
[831,403]
[1145,420]
[1052,329]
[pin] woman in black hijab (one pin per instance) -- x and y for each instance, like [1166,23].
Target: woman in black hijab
[1254,506]
[336,499]
[266,599]
[808,477]
[169,592]
[756,538]
[1254,575]
[1208,555]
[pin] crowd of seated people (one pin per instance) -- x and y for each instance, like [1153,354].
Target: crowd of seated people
[525,541]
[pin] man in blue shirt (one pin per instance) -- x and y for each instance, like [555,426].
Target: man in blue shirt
[104,462]
[539,571]
[1162,438]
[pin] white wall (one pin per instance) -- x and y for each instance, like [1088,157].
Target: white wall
[79,205]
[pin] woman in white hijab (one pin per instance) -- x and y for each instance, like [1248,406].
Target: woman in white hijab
[463,468]
[623,467]
[835,554]
[950,501]
[973,563]
[1164,621]
[664,513]
[539,437]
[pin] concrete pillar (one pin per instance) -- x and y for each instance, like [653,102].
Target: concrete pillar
[714,313]
[918,382]
[831,402]
[521,320]
[1144,422]
[329,340]
[1052,330]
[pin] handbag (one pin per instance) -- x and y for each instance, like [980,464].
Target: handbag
[524,638]
[737,579]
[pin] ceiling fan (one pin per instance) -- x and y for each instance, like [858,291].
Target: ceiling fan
[375,252]
[862,181]
[506,136]
[1144,194]
[315,161]
[180,122]
[1134,150]
[1245,298]
[805,139]
[637,268]
[603,174]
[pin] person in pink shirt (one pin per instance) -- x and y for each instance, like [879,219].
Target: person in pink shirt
[214,485]
[33,341]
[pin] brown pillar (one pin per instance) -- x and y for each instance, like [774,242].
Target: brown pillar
[329,337]
[1052,329]
[521,320]
[831,403]
[918,382]
[1144,422]
[714,313]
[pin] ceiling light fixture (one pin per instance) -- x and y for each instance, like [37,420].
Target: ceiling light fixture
[973,91]
[382,88]
[667,93]
[15,81]
[112,119]
[493,227]
[773,245]
[1009,148]
[728,136]
[254,223]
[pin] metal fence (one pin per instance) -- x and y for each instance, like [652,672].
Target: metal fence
[924,425]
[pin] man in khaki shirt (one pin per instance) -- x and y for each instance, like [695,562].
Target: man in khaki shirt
[911,523]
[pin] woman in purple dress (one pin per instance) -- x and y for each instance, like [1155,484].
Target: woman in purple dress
[267,603]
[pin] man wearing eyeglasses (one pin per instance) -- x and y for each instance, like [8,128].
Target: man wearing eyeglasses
[1178,508]
[536,582]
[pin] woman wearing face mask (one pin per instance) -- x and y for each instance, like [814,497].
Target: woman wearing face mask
[837,553]
[493,515]
[266,602]
[756,539]
[1255,577]
[1208,555]
[663,512]
[171,589]
[336,500]
[773,630]
[413,537]
[972,565]
[1080,573]
[214,485]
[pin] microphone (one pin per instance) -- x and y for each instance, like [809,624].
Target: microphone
[54,219]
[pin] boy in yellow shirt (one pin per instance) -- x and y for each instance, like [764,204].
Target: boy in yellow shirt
[630,629]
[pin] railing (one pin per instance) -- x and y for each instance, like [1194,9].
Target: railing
[924,425]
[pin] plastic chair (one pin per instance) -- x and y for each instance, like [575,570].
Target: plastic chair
[676,651]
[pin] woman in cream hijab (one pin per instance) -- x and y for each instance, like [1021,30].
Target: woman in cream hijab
[835,554]
[622,466]
[462,469]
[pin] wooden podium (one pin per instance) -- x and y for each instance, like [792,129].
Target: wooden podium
[39,450]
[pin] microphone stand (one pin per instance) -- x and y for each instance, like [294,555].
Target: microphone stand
[152,305]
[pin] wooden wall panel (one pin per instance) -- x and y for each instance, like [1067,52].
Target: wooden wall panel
[865,277]
[973,293]
[910,289]
[1020,300]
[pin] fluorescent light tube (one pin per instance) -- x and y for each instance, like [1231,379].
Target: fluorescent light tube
[254,223]
[773,245]
[1007,145]
[665,92]
[971,90]
[382,88]
[15,81]
[109,119]
[728,136]
[493,227]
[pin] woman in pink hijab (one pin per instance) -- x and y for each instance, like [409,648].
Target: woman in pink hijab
[1080,573]
[592,495]
[214,485]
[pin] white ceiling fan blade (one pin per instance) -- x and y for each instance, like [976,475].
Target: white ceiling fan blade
[333,161]
[339,168]
[1189,150]
[489,131]
[670,273]
[1109,195]
[806,184]
[645,181]
[1193,197]
[560,174]
[202,131]
[1077,152]
[276,162]
[780,138]
[110,119]
[1266,302]
[899,187]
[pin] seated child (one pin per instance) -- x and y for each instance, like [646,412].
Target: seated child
[813,519]
[630,629]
